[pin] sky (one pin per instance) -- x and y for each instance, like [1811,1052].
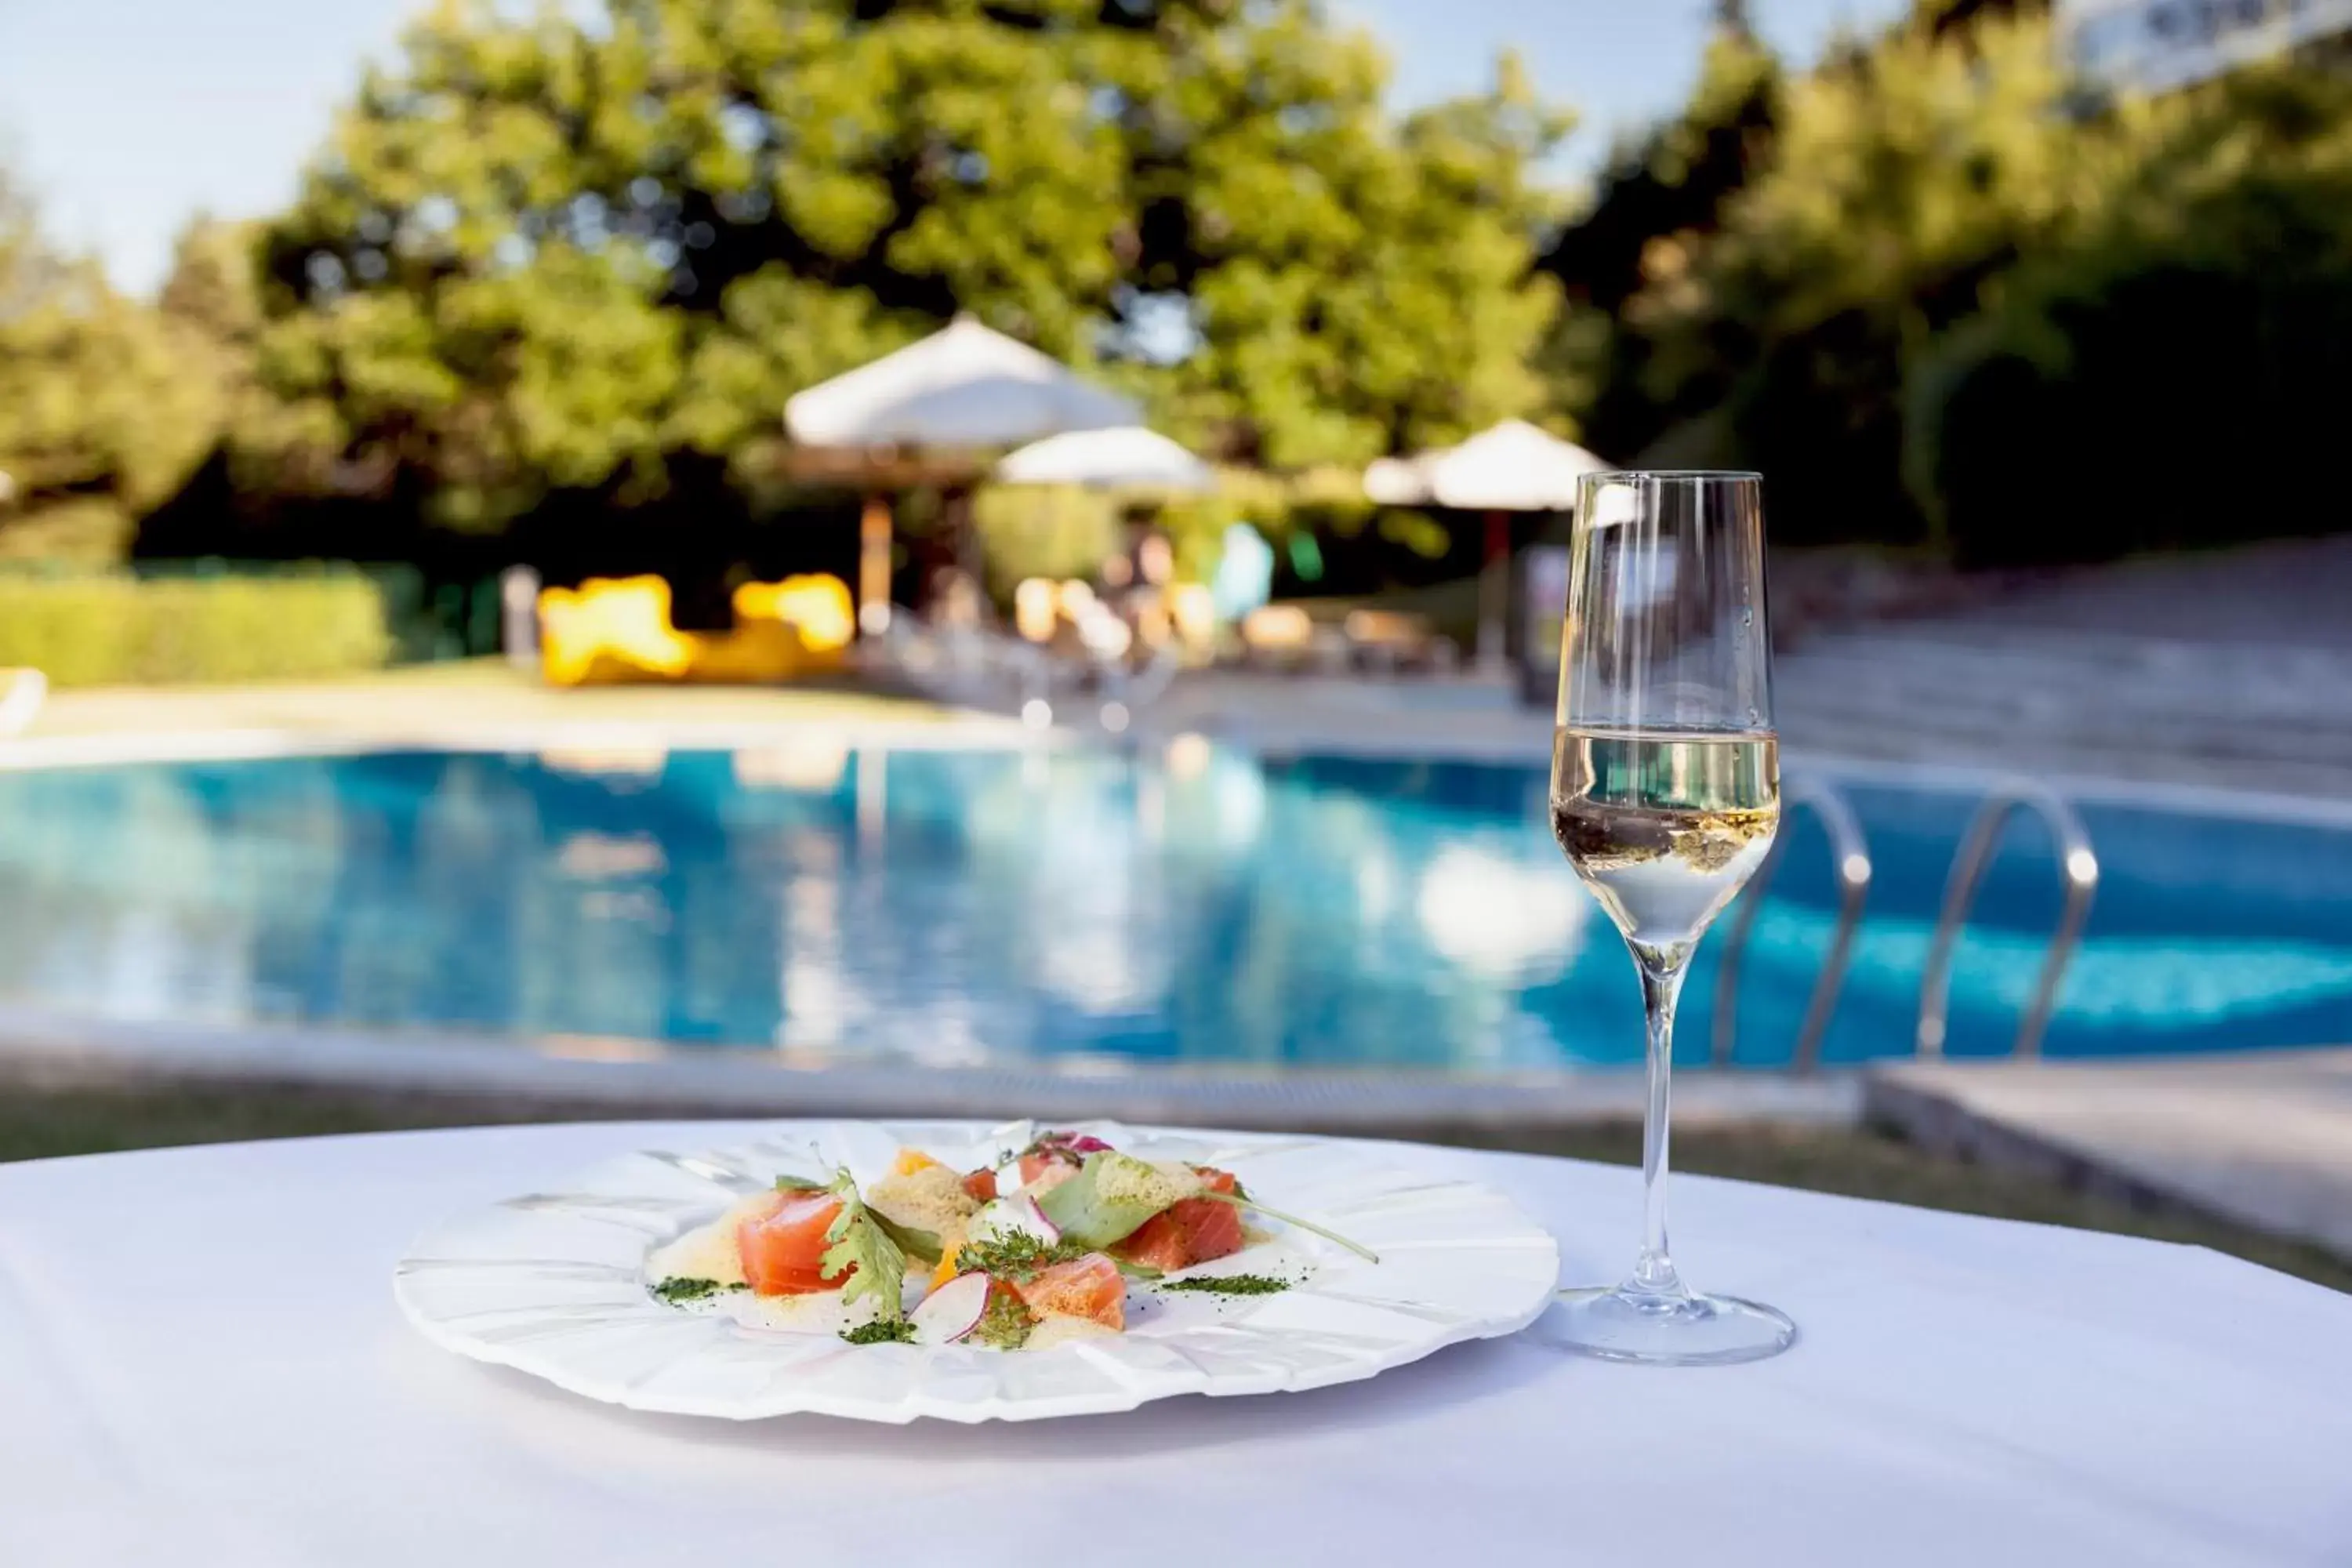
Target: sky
[126,117]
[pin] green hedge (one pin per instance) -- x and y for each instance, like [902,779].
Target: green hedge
[117,630]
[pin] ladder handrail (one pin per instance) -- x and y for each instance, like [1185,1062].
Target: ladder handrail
[1852,868]
[2077,864]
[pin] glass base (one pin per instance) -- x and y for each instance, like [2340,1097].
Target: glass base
[1618,1322]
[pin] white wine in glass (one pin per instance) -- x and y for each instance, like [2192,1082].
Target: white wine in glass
[1666,793]
[1664,829]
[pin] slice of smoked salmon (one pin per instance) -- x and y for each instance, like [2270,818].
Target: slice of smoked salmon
[1089,1287]
[982,1184]
[1157,1243]
[1049,1175]
[1037,1163]
[1193,1231]
[1055,1157]
[783,1245]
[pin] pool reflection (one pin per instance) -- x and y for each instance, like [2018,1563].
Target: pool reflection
[957,906]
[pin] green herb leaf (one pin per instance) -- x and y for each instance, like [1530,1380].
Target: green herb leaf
[920,1244]
[864,1250]
[798,1185]
[1016,1255]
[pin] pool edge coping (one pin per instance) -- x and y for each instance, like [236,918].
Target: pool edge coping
[961,732]
[978,730]
[47,1047]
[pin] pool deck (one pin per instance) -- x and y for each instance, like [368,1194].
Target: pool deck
[2262,1138]
[478,704]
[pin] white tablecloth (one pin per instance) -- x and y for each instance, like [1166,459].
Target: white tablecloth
[201,1364]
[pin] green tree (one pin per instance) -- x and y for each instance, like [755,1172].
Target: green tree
[1908,176]
[98,420]
[547,253]
[2201,308]
[211,303]
[1661,199]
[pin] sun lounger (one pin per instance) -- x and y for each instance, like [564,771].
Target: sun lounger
[22,692]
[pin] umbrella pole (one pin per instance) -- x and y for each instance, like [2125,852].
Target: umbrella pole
[874,566]
[1494,590]
[969,557]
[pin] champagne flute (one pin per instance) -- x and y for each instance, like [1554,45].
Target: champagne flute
[1666,793]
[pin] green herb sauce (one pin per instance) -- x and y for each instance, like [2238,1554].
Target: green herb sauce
[1004,1323]
[682,1290]
[1231,1285]
[881,1332]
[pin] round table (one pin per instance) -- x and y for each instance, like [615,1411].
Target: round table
[201,1363]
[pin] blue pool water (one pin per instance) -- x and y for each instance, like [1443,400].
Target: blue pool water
[959,907]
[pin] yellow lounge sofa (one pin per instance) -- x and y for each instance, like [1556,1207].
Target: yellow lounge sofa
[614,629]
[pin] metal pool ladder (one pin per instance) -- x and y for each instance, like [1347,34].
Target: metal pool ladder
[1853,854]
[2077,864]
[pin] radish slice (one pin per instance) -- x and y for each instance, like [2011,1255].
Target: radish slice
[1016,1216]
[1031,1219]
[952,1312]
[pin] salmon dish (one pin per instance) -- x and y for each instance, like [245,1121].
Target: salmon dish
[1049,1243]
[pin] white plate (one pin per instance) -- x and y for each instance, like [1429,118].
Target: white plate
[555,1284]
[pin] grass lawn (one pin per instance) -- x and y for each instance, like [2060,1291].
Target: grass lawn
[37,1123]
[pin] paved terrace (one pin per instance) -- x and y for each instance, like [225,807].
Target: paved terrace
[2262,1138]
[2230,671]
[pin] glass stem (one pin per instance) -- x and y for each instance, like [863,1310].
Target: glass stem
[1661,983]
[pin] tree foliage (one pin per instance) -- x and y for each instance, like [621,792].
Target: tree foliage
[99,418]
[552,278]
[1934,264]
[2201,309]
[558,252]
[1661,198]
[1906,180]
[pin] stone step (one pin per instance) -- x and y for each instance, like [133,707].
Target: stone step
[2263,728]
[2322,684]
[2000,729]
[1997,697]
[2038,645]
[2042,757]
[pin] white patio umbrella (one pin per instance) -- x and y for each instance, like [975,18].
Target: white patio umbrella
[1514,467]
[1128,454]
[966,385]
[1400,481]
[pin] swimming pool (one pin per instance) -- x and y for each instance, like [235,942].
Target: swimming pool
[966,907]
